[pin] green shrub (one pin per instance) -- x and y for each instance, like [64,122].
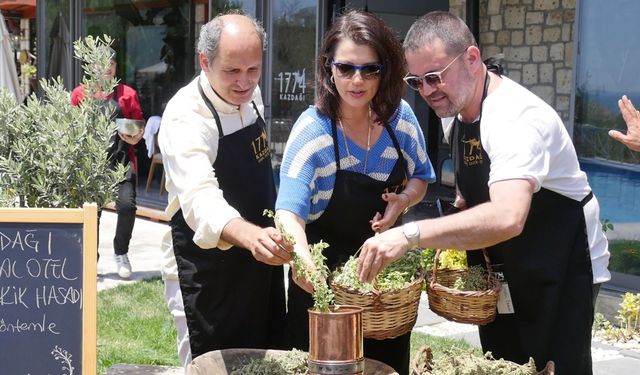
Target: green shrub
[625,256]
[53,154]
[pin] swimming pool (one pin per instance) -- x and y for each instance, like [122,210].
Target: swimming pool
[617,188]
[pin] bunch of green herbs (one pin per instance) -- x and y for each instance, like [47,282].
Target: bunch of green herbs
[474,279]
[397,275]
[322,294]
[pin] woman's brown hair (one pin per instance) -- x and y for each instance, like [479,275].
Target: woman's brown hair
[363,28]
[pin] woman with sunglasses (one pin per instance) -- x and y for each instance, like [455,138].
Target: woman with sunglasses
[353,163]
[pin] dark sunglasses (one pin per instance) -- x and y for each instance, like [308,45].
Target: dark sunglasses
[433,79]
[367,71]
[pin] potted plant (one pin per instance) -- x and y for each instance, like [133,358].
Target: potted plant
[335,331]
[53,154]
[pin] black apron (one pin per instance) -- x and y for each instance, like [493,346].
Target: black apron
[230,299]
[344,225]
[547,269]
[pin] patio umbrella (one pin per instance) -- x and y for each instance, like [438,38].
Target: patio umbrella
[8,72]
[60,52]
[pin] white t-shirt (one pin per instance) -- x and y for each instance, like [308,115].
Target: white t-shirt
[526,139]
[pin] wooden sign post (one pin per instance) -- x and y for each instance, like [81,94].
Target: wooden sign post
[48,290]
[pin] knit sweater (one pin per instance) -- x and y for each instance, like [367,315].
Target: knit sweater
[308,170]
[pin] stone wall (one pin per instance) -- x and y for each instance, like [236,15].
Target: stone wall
[536,38]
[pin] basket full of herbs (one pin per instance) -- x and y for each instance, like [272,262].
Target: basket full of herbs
[391,302]
[464,295]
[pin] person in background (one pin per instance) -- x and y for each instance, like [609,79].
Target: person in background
[126,104]
[523,198]
[218,175]
[632,117]
[354,162]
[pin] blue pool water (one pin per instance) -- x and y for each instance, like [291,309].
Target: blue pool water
[617,189]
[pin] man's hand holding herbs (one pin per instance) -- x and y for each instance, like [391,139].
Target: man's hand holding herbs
[266,245]
[271,247]
[379,251]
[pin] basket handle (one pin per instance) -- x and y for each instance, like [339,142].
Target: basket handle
[435,266]
[489,269]
[376,295]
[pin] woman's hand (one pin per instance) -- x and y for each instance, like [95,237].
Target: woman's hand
[396,204]
[302,282]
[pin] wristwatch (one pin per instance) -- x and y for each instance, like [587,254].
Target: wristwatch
[412,233]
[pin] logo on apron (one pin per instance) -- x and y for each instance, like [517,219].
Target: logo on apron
[261,147]
[472,152]
[396,188]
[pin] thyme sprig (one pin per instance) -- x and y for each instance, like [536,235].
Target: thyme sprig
[397,275]
[474,279]
[322,294]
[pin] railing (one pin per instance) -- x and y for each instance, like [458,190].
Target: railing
[593,141]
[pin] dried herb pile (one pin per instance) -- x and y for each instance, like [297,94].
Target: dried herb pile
[475,279]
[464,362]
[293,362]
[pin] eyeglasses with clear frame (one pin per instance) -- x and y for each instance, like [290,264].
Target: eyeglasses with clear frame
[348,70]
[433,79]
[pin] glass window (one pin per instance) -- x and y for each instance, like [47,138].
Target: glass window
[154,42]
[293,52]
[606,68]
[606,65]
[248,6]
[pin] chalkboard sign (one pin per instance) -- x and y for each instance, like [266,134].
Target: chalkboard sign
[48,291]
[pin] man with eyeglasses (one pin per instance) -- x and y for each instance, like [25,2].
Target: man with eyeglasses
[522,196]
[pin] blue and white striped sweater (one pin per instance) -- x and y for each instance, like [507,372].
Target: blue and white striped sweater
[308,170]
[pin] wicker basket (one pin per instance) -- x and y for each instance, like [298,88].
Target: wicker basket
[474,307]
[423,361]
[386,315]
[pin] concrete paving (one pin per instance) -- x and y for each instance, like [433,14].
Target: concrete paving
[144,255]
[144,251]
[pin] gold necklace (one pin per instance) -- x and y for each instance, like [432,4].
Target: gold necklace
[346,144]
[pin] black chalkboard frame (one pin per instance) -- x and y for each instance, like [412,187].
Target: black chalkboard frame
[87,216]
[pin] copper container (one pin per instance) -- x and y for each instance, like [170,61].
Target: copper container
[335,341]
